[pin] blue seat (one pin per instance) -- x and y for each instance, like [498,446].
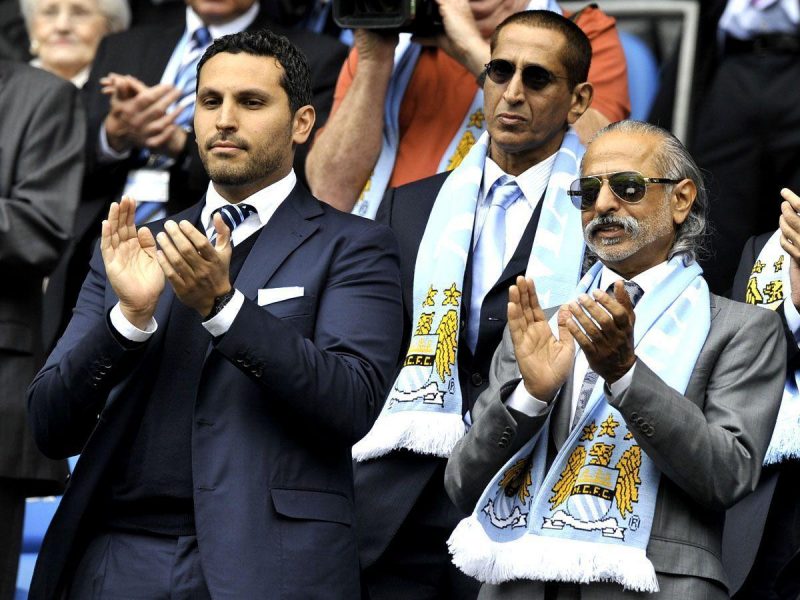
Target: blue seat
[643,79]
[38,514]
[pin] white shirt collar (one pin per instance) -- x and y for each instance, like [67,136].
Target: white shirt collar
[266,201]
[648,280]
[240,23]
[532,182]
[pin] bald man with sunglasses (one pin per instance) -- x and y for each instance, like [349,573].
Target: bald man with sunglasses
[460,250]
[617,428]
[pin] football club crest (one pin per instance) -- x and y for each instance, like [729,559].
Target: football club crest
[427,371]
[589,487]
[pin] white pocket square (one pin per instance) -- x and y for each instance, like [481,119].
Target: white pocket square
[272,295]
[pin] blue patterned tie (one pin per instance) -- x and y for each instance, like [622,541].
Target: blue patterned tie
[186,81]
[233,215]
[635,293]
[186,78]
[488,259]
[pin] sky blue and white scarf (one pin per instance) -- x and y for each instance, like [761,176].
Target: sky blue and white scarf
[472,127]
[423,412]
[588,518]
[767,287]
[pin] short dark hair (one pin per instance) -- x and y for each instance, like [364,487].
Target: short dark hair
[576,52]
[296,79]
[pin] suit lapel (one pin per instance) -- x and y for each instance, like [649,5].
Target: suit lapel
[289,227]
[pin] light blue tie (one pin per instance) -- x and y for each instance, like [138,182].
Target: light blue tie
[186,81]
[233,215]
[488,259]
[635,293]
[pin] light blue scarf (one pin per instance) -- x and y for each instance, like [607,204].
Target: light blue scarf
[472,126]
[588,518]
[767,287]
[423,412]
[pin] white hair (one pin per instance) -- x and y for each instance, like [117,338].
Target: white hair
[116,12]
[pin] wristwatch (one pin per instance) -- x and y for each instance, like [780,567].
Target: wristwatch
[219,304]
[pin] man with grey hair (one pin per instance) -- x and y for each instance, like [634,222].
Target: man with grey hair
[612,438]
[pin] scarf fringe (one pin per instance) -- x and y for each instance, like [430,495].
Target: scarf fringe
[543,558]
[785,442]
[435,434]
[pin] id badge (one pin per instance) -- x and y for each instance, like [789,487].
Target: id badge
[147,185]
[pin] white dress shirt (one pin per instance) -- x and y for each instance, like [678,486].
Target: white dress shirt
[266,202]
[744,19]
[522,401]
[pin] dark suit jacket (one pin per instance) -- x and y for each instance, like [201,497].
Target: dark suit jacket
[388,487]
[708,444]
[41,150]
[744,522]
[283,396]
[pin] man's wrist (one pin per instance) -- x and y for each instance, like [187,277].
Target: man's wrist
[219,303]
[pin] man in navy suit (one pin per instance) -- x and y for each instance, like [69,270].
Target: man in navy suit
[218,368]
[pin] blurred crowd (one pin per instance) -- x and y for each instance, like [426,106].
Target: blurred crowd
[97,102]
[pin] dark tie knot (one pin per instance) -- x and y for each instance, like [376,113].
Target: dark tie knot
[234,214]
[634,290]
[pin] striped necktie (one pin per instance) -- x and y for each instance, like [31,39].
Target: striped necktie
[186,77]
[635,293]
[488,259]
[233,215]
[186,81]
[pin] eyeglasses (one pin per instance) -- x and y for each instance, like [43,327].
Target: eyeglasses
[628,186]
[534,77]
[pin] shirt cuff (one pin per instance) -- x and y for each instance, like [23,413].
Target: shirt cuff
[128,330]
[104,150]
[623,383]
[521,401]
[220,323]
[792,319]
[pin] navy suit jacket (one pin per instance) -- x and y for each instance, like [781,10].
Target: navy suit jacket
[388,487]
[282,397]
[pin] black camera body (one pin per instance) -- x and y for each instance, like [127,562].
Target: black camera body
[416,16]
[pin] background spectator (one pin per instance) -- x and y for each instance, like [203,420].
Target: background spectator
[432,113]
[41,163]
[65,34]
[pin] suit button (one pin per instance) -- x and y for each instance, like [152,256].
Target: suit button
[462,325]
[476,379]
[67,478]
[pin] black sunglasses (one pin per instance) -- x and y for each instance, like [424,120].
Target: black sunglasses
[534,77]
[628,186]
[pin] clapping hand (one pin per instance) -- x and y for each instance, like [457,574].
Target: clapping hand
[790,239]
[197,270]
[544,361]
[131,265]
[605,333]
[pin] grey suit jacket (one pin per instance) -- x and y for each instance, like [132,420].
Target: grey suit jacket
[41,166]
[709,444]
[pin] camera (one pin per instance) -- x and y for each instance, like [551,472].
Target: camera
[416,16]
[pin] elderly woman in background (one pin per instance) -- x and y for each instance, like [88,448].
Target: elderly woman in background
[65,33]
